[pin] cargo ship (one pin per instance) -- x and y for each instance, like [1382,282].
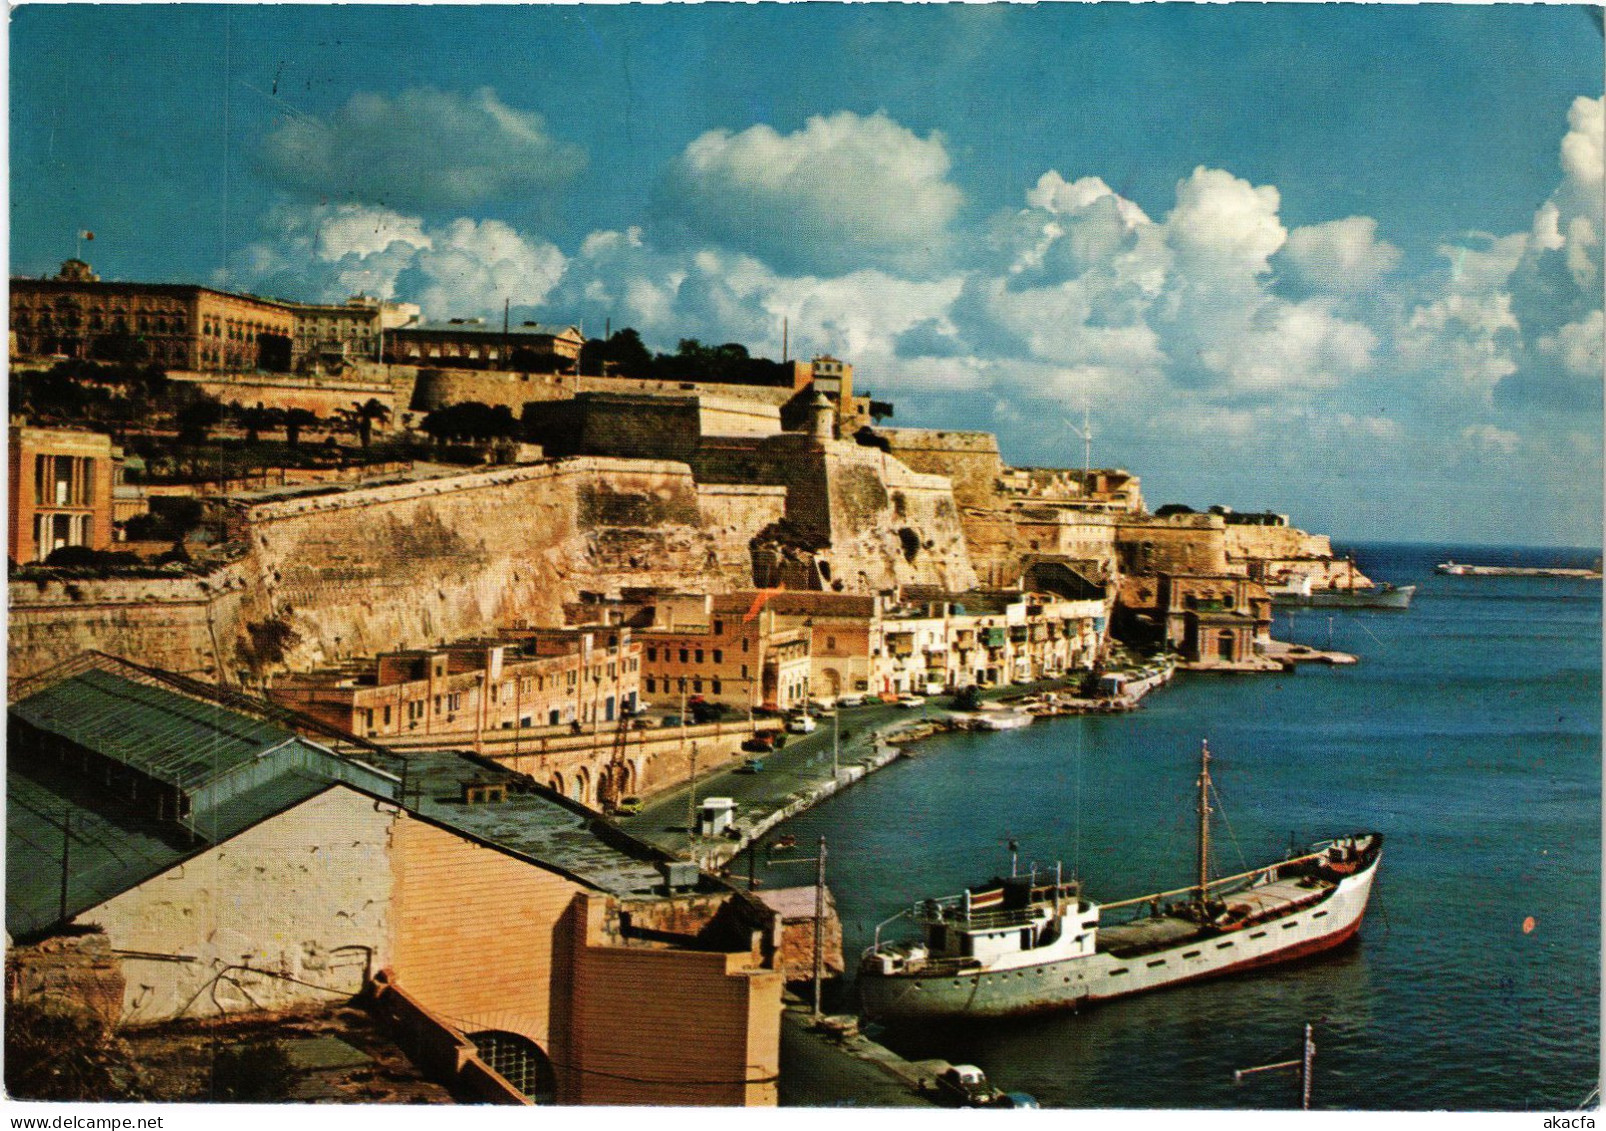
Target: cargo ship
[1035,943]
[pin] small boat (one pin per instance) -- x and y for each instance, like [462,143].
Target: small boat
[1029,944]
[1299,593]
[994,720]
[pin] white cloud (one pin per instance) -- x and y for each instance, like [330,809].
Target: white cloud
[1224,226]
[844,192]
[420,149]
[1340,256]
[329,252]
[1489,440]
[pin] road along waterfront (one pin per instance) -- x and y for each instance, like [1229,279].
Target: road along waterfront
[1469,734]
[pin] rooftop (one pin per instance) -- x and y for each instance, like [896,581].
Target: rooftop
[487,326]
[172,738]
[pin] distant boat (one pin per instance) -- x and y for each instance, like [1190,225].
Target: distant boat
[1462,569]
[994,720]
[1298,593]
[1027,944]
[1384,596]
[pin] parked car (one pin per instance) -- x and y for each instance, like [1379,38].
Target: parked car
[801,724]
[760,743]
[671,720]
[822,708]
[751,766]
[871,700]
[911,700]
[850,700]
[628,806]
[966,1086]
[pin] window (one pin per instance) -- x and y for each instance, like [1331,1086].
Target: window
[719,655]
[718,690]
[697,685]
[387,716]
[437,704]
[455,701]
[683,655]
[719,627]
[744,643]
[651,685]
[652,654]
[830,644]
[744,671]
[699,655]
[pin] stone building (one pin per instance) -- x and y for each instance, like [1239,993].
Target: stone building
[742,658]
[475,343]
[1217,620]
[174,325]
[60,492]
[536,678]
[236,867]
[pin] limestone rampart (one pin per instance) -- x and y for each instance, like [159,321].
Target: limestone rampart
[1247,541]
[320,396]
[1181,543]
[410,564]
[187,625]
[969,459]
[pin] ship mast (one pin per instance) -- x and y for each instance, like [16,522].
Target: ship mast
[1204,828]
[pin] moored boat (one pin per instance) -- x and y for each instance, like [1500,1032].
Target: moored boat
[1027,944]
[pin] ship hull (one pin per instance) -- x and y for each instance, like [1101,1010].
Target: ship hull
[1071,983]
[1397,598]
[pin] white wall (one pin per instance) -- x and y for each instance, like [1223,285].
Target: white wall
[286,897]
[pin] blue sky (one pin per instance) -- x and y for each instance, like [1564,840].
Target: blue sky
[1342,262]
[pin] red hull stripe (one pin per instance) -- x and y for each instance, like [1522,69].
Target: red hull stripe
[1287,954]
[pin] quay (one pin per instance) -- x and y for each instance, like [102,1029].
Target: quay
[1461,569]
[806,770]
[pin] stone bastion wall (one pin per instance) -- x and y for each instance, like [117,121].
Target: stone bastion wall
[417,563]
[351,573]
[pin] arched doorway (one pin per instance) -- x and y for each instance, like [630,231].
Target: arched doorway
[833,682]
[557,784]
[582,785]
[1225,648]
[520,1062]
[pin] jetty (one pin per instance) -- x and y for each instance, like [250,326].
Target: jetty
[1462,569]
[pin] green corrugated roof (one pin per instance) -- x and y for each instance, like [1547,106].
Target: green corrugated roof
[173,738]
[111,849]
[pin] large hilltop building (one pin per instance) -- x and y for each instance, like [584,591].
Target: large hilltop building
[183,326]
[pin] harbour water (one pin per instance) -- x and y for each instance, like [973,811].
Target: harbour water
[1469,733]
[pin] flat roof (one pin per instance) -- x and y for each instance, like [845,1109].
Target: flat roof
[171,737]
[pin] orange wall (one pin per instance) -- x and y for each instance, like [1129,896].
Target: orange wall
[478,933]
[670,1027]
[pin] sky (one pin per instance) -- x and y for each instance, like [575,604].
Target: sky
[1340,262]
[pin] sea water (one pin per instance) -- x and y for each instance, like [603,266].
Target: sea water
[1469,734]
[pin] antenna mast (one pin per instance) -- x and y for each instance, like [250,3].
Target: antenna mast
[1204,827]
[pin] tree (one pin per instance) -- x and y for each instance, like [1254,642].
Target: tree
[471,421]
[880,410]
[295,419]
[256,420]
[361,418]
[197,419]
[623,355]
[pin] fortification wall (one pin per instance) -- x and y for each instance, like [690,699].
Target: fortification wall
[436,388]
[321,396]
[891,525]
[1184,543]
[188,625]
[431,388]
[970,460]
[418,563]
[1275,543]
